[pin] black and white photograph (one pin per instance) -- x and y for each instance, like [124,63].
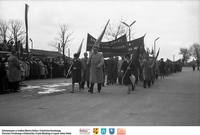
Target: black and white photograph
[99,63]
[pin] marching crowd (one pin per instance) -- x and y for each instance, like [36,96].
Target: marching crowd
[88,70]
[126,71]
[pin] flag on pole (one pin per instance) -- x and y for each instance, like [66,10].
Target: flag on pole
[80,47]
[26,25]
[68,52]
[97,43]
[154,61]
[157,54]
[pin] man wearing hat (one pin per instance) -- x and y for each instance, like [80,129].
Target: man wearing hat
[96,62]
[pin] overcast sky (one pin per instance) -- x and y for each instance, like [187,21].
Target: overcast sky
[177,23]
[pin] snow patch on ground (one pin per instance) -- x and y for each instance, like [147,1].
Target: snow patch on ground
[47,89]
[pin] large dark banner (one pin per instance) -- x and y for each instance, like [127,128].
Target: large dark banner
[116,47]
[135,44]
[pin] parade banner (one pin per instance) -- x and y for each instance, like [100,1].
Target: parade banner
[98,41]
[116,47]
[135,44]
[79,49]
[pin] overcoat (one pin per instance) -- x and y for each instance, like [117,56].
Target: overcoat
[14,72]
[85,69]
[146,72]
[76,71]
[127,70]
[96,63]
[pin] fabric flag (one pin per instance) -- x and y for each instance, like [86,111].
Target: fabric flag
[97,43]
[79,50]
[154,60]
[152,51]
[135,44]
[157,54]
[68,52]
[26,25]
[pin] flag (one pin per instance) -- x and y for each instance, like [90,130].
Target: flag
[79,50]
[68,52]
[26,25]
[157,54]
[154,60]
[101,36]
[152,51]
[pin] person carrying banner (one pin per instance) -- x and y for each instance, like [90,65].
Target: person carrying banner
[127,69]
[85,71]
[76,72]
[96,62]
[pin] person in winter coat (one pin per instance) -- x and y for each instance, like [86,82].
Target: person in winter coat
[76,72]
[127,71]
[85,70]
[14,72]
[96,62]
[146,72]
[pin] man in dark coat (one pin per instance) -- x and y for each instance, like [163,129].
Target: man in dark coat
[76,72]
[3,76]
[127,70]
[162,68]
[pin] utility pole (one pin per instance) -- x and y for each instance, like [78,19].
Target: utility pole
[129,28]
[155,46]
[173,58]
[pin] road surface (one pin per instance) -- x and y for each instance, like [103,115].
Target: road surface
[169,102]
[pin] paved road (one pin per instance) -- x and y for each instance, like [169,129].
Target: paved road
[172,101]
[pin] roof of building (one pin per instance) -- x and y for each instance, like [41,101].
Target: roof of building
[45,53]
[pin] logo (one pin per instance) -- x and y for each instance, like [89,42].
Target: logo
[111,131]
[103,131]
[121,131]
[84,131]
[95,131]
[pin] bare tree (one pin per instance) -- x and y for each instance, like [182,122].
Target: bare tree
[195,50]
[3,31]
[62,40]
[17,31]
[186,54]
[64,37]
[114,31]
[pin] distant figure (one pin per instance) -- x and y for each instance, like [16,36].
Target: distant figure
[193,67]
[76,72]
[96,62]
[85,71]
[119,65]
[14,72]
[3,76]
[162,68]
